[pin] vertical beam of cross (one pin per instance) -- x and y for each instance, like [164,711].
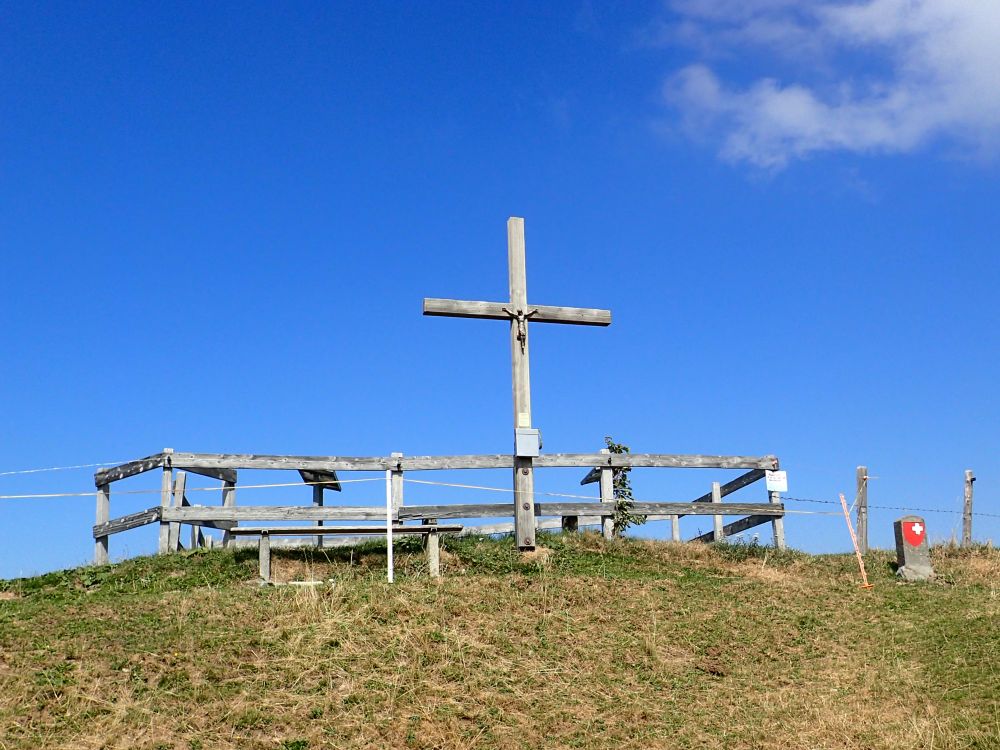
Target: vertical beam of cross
[519,313]
[524,476]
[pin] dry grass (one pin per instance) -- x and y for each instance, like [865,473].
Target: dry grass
[629,644]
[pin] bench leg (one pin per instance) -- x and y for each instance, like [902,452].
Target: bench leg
[265,557]
[433,551]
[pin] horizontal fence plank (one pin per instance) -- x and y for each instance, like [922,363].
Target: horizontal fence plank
[654,460]
[124,523]
[201,462]
[465,510]
[548,524]
[273,513]
[735,527]
[336,530]
[458,308]
[499,510]
[130,469]
[269,461]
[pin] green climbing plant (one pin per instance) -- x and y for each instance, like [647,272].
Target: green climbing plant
[623,517]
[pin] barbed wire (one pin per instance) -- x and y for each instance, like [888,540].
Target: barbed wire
[190,489]
[891,507]
[506,490]
[60,468]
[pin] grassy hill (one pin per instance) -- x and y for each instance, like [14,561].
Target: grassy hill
[587,645]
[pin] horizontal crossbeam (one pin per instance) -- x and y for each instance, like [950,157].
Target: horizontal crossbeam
[273,513]
[457,308]
[125,523]
[195,461]
[466,510]
[498,510]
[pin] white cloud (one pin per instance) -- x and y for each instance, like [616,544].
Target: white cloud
[931,73]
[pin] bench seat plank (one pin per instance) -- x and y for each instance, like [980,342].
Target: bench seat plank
[314,530]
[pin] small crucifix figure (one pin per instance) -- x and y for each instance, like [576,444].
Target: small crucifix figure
[519,313]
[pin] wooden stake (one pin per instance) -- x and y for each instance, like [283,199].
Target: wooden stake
[967,510]
[854,541]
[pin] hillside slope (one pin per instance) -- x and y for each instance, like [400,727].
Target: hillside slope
[588,645]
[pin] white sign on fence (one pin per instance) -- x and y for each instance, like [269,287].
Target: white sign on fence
[777,481]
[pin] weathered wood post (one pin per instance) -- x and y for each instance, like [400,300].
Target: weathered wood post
[967,509]
[675,528]
[165,490]
[607,496]
[718,533]
[777,523]
[264,557]
[318,502]
[180,487]
[524,478]
[228,501]
[433,550]
[103,516]
[862,499]
[397,482]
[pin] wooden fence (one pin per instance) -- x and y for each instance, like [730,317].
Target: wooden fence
[174,508]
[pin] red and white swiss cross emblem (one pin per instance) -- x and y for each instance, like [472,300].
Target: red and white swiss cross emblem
[914,532]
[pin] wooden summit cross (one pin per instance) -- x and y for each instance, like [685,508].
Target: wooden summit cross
[519,313]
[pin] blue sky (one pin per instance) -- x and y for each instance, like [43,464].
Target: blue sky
[218,223]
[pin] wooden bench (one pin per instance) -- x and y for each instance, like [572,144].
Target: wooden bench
[429,529]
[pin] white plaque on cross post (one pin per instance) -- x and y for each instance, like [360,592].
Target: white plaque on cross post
[519,313]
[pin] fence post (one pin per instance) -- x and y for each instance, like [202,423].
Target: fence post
[967,510]
[180,487]
[264,557]
[165,489]
[675,528]
[718,533]
[103,516]
[397,485]
[228,501]
[607,496]
[778,522]
[862,500]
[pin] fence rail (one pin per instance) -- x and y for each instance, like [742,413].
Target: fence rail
[321,472]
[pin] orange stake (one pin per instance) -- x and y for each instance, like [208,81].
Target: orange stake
[854,540]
